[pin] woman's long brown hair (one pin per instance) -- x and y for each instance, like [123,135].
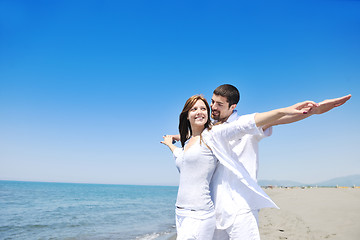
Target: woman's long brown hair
[184,124]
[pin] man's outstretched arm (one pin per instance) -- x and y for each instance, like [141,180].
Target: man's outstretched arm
[322,107]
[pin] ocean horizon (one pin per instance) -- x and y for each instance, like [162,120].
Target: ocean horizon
[49,210]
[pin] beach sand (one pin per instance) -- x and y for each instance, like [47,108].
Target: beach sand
[311,214]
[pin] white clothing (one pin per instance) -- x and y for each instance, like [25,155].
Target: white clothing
[231,198]
[246,148]
[234,190]
[195,214]
[189,228]
[245,227]
[198,214]
[196,166]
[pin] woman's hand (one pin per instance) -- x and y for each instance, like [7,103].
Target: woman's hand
[168,141]
[300,108]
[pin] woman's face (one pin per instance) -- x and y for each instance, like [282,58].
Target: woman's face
[197,115]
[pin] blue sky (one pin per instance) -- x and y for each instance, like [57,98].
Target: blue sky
[88,88]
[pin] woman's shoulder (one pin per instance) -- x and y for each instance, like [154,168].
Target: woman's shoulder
[178,152]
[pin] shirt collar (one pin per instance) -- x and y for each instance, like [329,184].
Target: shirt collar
[232,117]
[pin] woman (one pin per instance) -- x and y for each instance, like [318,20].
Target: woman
[203,147]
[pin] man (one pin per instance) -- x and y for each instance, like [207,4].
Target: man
[234,219]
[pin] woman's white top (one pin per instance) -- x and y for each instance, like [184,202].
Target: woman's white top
[196,166]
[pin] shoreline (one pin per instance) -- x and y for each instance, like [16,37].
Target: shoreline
[172,237]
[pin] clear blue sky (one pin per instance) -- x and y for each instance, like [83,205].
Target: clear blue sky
[88,88]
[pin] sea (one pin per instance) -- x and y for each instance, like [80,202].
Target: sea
[38,210]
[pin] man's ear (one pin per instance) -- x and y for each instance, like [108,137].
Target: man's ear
[232,107]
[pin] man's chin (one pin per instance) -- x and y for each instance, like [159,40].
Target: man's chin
[215,117]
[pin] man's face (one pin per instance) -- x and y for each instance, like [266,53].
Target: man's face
[220,109]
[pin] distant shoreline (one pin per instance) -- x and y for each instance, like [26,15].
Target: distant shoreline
[114,184]
[88,183]
[346,181]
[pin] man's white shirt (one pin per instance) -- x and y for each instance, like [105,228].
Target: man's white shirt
[231,197]
[247,148]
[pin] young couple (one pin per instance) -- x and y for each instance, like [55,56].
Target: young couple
[218,196]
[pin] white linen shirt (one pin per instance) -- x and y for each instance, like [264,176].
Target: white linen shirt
[234,186]
[247,147]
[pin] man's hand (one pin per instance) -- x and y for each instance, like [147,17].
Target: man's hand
[329,104]
[309,110]
[300,108]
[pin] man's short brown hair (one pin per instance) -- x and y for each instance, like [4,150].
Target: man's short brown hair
[230,92]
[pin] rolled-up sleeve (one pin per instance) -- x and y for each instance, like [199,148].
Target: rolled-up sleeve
[264,133]
[268,131]
[236,129]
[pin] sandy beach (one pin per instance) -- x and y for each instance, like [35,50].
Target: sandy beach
[311,214]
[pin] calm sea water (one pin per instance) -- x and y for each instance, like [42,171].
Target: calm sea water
[31,210]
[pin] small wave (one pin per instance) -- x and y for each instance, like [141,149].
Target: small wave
[149,236]
[37,226]
[153,236]
[29,226]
